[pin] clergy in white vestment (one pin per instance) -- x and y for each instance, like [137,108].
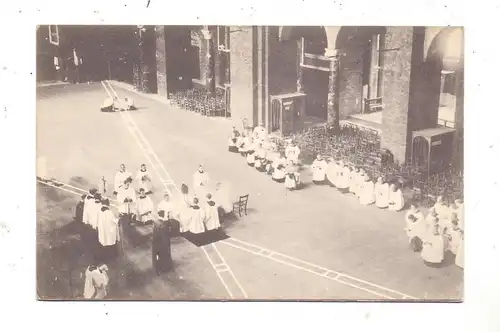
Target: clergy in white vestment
[87,206]
[95,211]
[417,213]
[367,191]
[279,166]
[198,217]
[108,105]
[145,208]
[183,207]
[381,194]
[292,178]
[292,153]
[129,104]
[144,179]
[432,219]
[251,157]
[244,144]
[121,177]
[331,172]
[443,210]
[212,214]
[454,235]
[222,198]
[96,282]
[260,157]
[342,177]
[415,230]
[458,209]
[319,167]
[396,199]
[200,179]
[259,132]
[166,209]
[433,247]
[107,231]
[127,200]
[359,179]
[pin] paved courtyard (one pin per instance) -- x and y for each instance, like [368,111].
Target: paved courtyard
[311,244]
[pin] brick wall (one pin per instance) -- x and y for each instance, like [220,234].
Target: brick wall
[396,90]
[350,82]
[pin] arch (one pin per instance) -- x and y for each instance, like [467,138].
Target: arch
[349,34]
[446,47]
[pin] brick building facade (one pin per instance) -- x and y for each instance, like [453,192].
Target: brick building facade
[396,80]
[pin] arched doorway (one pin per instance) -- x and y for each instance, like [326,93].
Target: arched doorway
[309,41]
[361,72]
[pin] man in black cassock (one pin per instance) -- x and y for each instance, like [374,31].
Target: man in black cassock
[161,254]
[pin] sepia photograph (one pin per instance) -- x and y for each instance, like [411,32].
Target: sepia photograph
[238,163]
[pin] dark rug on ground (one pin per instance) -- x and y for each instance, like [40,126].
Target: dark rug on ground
[208,237]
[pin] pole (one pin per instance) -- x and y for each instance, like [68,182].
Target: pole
[109,69]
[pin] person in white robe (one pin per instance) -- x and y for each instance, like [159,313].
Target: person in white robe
[433,247]
[459,258]
[432,218]
[166,209]
[279,166]
[443,211]
[319,167]
[103,186]
[198,217]
[129,104]
[292,178]
[331,172]
[342,177]
[367,191]
[108,105]
[87,206]
[96,282]
[417,213]
[458,209]
[232,142]
[251,156]
[396,199]
[212,214]
[244,144]
[95,211]
[121,176]
[353,181]
[454,235]
[144,179]
[223,199]
[271,156]
[107,231]
[359,180]
[292,153]
[145,208]
[259,132]
[127,201]
[184,209]
[416,230]
[261,157]
[381,194]
[201,180]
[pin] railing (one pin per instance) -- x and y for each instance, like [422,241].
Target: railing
[373,104]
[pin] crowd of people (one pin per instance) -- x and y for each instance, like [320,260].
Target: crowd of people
[195,213]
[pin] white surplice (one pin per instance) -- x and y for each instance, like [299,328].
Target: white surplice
[120,178]
[396,200]
[367,193]
[459,258]
[259,132]
[200,180]
[342,177]
[126,207]
[279,174]
[417,228]
[197,223]
[433,248]
[381,195]
[96,283]
[183,207]
[319,170]
[331,172]
[454,239]
[94,209]
[143,180]
[107,228]
[211,216]
[86,209]
[168,208]
[292,154]
[145,209]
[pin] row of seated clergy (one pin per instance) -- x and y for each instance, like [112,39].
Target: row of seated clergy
[357,182]
[444,211]
[433,236]
[112,104]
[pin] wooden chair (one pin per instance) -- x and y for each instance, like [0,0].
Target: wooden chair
[241,205]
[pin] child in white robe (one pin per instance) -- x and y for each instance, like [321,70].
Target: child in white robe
[415,230]
[458,209]
[167,207]
[143,179]
[251,154]
[367,191]
[433,247]
[292,178]
[129,104]
[145,208]
[292,153]
[212,214]
[259,132]
[331,172]
[443,211]
[396,199]
[121,176]
[279,173]
[381,194]
[127,200]
[198,217]
[415,211]
[319,167]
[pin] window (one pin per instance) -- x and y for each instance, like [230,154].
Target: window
[223,43]
[372,75]
[447,99]
[54,34]
[223,40]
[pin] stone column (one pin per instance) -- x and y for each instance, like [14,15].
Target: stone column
[209,62]
[333,93]
[161,64]
[300,71]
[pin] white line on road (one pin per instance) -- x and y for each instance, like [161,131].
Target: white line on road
[165,179]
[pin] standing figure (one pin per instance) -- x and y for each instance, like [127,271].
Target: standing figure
[292,153]
[198,216]
[96,282]
[87,206]
[161,251]
[212,214]
[381,194]
[292,179]
[184,209]
[200,180]
[233,141]
[126,198]
[458,209]
[121,176]
[319,167]
[331,172]
[144,179]
[94,211]
[279,169]
[396,199]
[251,157]
[367,191]
[433,247]
[453,235]
[443,211]
[244,143]
[416,228]
[144,208]
[259,132]
[342,178]
[108,232]
[79,209]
